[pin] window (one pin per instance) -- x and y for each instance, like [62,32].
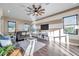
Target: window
[26,27]
[11,26]
[70,23]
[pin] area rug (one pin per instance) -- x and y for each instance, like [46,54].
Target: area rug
[38,46]
[24,44]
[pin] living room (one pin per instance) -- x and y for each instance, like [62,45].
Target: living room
[35,29]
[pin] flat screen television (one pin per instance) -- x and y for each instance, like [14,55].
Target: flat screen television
[45,27]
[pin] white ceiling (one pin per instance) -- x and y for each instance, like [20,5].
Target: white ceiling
[16,10]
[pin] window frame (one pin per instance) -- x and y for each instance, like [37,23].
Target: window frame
[8,26]
[28,27]
[71,24]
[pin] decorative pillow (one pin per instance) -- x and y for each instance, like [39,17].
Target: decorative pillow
[6,40]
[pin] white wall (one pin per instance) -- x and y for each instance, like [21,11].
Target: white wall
[20,27]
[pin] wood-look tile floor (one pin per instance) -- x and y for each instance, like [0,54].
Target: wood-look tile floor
[56,50]
[73,49]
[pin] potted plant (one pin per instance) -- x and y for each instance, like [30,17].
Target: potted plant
[6,50]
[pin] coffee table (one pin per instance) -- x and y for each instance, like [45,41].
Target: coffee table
[30,48]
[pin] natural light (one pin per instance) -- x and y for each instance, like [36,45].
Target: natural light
[58,36]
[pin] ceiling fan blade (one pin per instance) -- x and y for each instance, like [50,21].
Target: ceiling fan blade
[39,7]
[34,6]
[42,10]
[39,13]
[29,13]
[29,8]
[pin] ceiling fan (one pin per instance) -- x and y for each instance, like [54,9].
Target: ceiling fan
[35,11]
